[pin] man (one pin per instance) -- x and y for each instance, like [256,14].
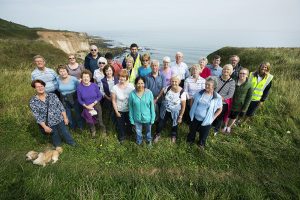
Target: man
[90,61]
[45,74]
[115,64]
[179,68]
[135,55]
[215,68]
[155,82]
[234,59]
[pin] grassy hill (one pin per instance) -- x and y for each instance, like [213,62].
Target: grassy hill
[259,160]
[18,45]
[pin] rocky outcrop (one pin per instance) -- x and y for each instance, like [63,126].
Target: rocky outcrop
[69,42]
[76,42]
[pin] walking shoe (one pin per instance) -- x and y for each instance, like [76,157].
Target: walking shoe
[149,144]
[228,129]
[156,138]
[173,139]
[215,133]
[224,129]
[93,134]
[201,147]
[104,134]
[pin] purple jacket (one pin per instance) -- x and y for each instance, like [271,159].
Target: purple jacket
[88,94]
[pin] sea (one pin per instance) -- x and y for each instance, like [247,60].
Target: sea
[197,43]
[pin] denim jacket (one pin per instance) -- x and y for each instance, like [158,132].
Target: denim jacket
[215,104]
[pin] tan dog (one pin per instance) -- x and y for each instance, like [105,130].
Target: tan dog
[45,157]
[32,155]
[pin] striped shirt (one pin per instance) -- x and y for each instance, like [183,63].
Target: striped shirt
[191,86]
[47,75]
[228,90]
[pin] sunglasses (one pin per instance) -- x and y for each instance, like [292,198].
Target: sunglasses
[93,49]
[102,63]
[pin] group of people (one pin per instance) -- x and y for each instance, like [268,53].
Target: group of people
[138,93]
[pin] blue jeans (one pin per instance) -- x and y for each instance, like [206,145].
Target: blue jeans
[59,130]
[77,111]
[139,135]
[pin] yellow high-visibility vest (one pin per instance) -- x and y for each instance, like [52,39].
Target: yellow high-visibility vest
[259,87]
[135,68]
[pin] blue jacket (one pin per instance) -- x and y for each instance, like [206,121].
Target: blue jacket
[90,63]
[215,104]
[141,109]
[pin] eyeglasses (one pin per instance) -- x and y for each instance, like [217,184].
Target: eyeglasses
[71,58]
[93,49]
[102,63]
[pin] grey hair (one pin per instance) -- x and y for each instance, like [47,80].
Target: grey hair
[154,61]
[93,47]
[212,79]
[204,59]
[179,53]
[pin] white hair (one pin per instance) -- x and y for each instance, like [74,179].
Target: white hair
[155,61]
[102,59]
[179,53]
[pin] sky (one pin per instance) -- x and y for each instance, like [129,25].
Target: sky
[111,15]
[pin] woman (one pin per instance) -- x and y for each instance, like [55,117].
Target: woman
[106,85]
[194,83]
[145,69]
[261,81]
[166,70]
[225,88]
[73,67]
[108,82]
[241,99]
[67,86]
[131,71]
[89,97]
[173,106]
[119,96]
[50,114]
[206,106]
[99,73]
[141,110]
[204,71]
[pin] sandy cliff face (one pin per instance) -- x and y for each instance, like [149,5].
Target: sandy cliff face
[69,42]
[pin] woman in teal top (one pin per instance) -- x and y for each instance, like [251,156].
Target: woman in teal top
[67,86]
[141,110]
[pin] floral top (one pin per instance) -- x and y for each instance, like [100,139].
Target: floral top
[39,109]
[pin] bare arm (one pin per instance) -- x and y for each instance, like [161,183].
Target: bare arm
[183,104]
[114,103]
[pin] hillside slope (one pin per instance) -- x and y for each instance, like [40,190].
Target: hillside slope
[18,44]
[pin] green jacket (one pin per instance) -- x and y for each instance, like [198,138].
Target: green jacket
[141,109]
[242,97]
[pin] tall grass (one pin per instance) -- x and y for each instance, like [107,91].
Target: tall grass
[259,160]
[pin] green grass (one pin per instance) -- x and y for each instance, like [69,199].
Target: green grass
[257,162]
[9,30]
